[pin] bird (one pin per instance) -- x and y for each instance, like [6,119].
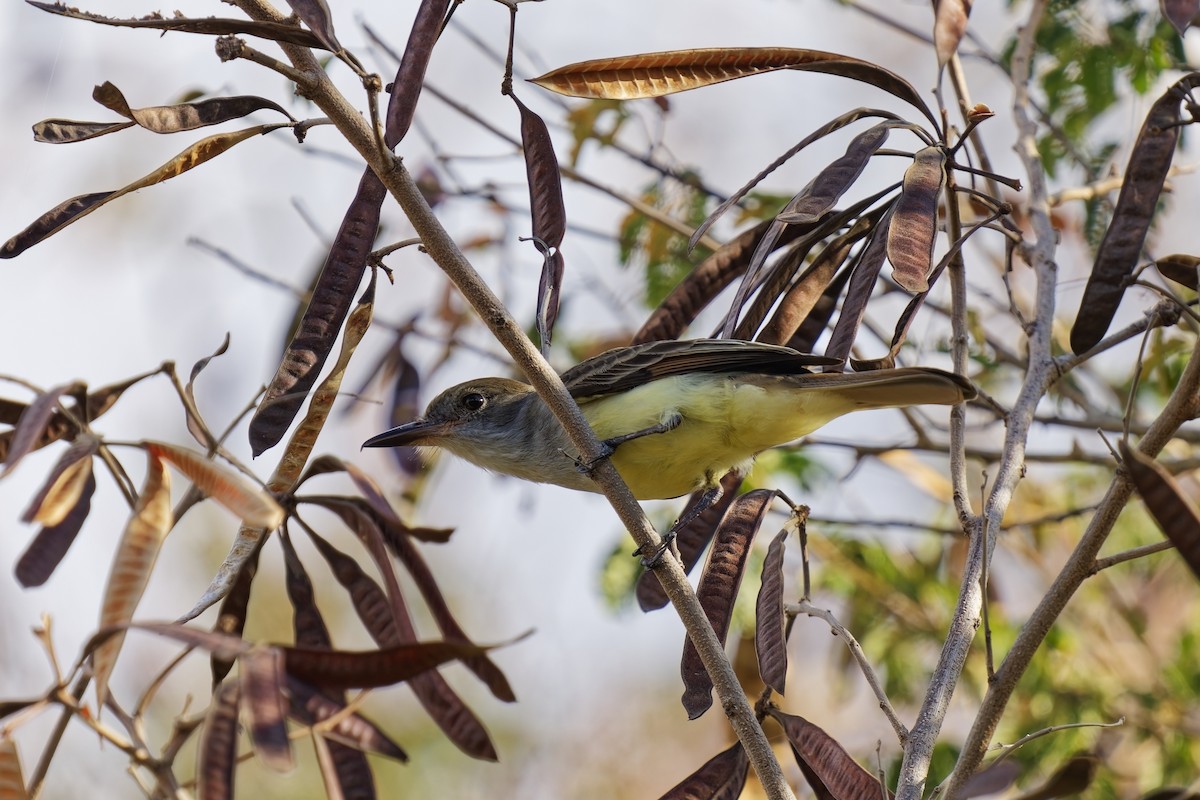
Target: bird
[675,416]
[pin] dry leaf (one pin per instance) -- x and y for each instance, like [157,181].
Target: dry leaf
[252,504]
[132,564]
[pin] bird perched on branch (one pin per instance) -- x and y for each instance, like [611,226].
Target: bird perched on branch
[676,416]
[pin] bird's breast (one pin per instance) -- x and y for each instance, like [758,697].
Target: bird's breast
[724,422]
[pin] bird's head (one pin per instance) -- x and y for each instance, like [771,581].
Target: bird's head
[470,419]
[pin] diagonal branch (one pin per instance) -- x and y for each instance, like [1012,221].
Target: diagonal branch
[316,86]
[1183,405]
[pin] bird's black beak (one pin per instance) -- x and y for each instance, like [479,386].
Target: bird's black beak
[419,431]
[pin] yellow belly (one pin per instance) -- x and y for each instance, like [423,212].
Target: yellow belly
[725,422]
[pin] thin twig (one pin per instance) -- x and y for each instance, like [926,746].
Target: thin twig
[231,47]
[860,657]
[246,269]
[1164,313]
[686,178]
[1072,456]
[567,171]
[1009,749]
[37,779]
[923,527]
[1130,555]
[1107,186]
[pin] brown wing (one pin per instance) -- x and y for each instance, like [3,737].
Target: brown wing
[625,368]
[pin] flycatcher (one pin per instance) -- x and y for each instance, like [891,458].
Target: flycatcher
[676,415]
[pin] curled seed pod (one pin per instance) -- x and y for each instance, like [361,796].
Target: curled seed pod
[1181,269]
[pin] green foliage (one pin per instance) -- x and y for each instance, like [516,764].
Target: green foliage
[757,206]
[661,252]
[618,576]
[798,463]
[597,121]
[890,602]
[1163,362]
[1126,646]
[1085,64]
[1098,211]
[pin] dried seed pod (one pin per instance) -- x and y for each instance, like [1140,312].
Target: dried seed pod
[1121,247]
[913,227]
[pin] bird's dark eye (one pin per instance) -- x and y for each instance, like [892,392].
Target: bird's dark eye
[474,401]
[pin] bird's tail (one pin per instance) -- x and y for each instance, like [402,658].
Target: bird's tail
[773,417]
[891,388]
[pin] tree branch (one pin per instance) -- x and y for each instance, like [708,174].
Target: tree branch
[442,249]
[860,657]
[1040,374]
[1183,406]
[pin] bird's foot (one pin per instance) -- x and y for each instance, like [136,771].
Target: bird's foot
[711,495]
[654,560]
[666,426]
[586,466]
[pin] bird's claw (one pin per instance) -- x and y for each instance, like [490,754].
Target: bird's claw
[655,560]
[586,466]
[610,445]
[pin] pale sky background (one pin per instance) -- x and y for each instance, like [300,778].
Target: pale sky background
[120,291]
